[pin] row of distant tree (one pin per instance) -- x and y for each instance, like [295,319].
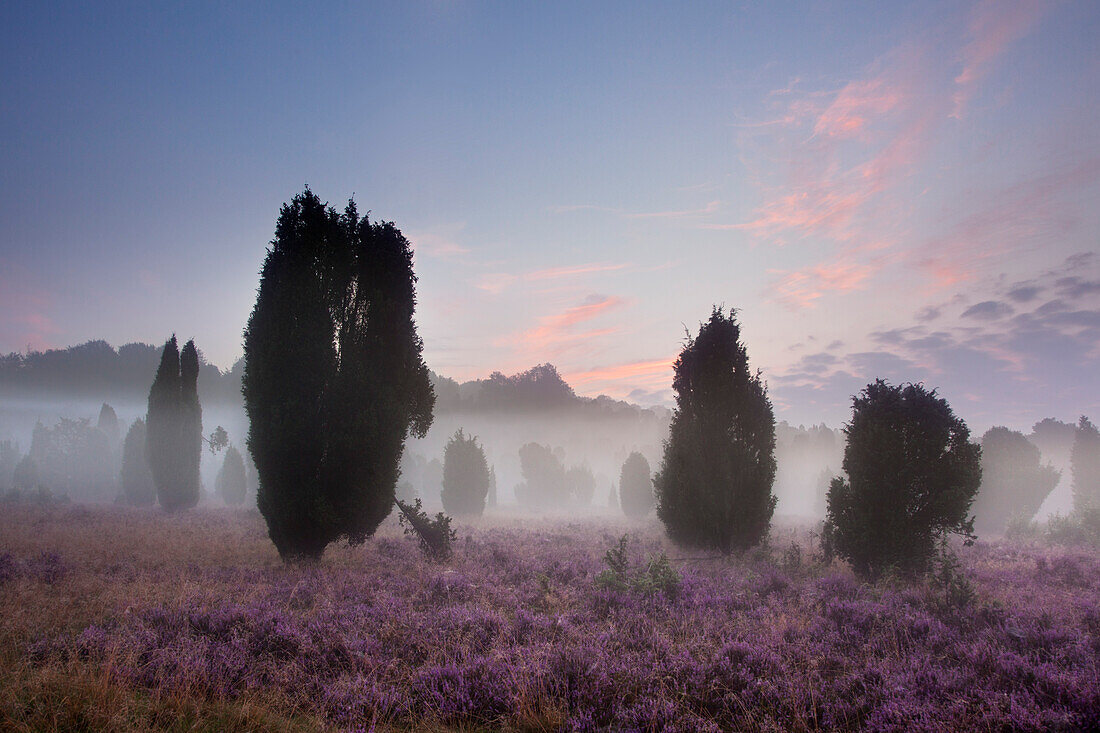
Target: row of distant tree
[158,461]
[468,485]
[95,369]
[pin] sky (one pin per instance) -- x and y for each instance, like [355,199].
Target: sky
[895,190]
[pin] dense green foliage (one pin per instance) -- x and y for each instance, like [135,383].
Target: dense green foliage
[231,485]
[636,486]
[466,477]
[173,427]
[912,474]
[1085,465]
[334,379]
[714,487]
[136,478]
[1014,482]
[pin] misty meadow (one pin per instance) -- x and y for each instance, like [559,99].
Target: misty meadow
[446,365]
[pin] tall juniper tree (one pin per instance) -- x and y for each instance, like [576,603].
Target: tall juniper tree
[714,487]
[173,427]
[334,379]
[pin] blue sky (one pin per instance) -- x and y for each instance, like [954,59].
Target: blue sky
[904,190]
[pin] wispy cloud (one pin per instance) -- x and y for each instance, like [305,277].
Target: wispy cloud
[804,287]
[556,332]
[994,26]
[497,282]
[650,378]
[555,273]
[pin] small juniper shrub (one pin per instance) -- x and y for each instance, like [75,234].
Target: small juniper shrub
[435,535]
[1076,529]
[658,575]
[791,561]
[1020,527]
[950,587]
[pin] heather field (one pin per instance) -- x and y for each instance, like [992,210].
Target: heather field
[133,620]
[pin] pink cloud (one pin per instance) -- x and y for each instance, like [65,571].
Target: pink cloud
[555,332]
[619,380]
[802,288]
[554,273]
[994,26]
[855,105]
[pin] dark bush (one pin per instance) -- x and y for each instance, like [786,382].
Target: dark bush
[912,473]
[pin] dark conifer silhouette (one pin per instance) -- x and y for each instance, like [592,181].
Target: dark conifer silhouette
[636,486]
[136,478]
[1085,465]
[333,378]
[912,474]
[173,427]
[714,488]
[466,477]
[231,485]
[1014,483]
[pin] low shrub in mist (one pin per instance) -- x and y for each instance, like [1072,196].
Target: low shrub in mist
[636,486]
[1085,466]
[581,485]
[912,473]
[231,484]
[466,476]
[135,477]
[1014,482]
